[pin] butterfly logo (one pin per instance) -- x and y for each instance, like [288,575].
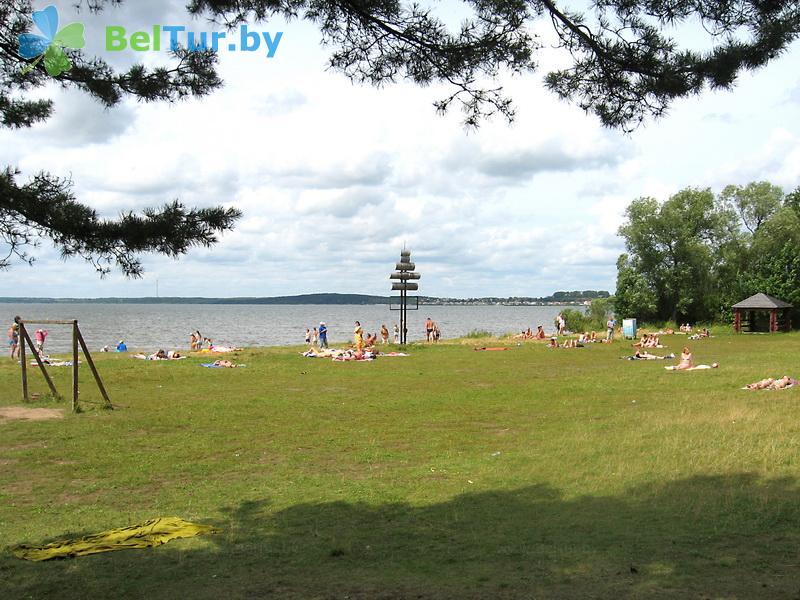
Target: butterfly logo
[50,46]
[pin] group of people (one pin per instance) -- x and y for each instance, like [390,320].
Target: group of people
[198,342]
[773,384]
[703,333]
[530,335]
[432,331]
[161,355]
[317,337]
[362,342]
[13,339]
[648,340]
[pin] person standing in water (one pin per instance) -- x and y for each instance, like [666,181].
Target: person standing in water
[428,329]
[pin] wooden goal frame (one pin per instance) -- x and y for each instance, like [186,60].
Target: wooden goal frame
[77,340]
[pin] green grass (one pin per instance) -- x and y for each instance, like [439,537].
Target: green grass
[531,473]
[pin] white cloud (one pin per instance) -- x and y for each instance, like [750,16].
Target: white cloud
[333,178]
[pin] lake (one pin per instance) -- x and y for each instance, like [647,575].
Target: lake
[152,326]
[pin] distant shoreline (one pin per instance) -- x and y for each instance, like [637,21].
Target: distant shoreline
[318,299]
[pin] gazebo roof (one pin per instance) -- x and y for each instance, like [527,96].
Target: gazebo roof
[761,302]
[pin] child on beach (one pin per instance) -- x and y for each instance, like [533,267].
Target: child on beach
[41,336]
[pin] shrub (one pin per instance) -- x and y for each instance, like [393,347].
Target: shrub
[479,333]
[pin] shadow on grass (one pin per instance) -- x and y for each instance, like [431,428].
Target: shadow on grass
[704,537]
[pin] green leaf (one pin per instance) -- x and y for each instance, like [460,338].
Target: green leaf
[71,36]
[55,61]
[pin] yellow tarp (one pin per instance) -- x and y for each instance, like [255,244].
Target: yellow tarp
[150,533]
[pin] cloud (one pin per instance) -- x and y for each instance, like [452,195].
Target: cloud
[78,120]
[334,178]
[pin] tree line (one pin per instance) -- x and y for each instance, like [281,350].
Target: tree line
[690,258]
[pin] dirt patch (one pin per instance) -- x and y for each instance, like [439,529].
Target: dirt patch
[13,413]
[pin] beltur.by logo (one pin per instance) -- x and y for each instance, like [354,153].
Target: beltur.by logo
[118,39]
[50,45]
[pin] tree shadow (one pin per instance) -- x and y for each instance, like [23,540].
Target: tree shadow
[730,536]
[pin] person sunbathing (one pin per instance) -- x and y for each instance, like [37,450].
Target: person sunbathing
[773,384]
[572,344]
[760,385]
[224,363]
[687,363]
[540,333]
[553,343]
[705,333]
[645,355]
[593,337]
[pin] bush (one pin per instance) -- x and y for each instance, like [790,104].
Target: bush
[479,333]
[576,320]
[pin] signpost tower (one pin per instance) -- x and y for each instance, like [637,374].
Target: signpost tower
[404,280]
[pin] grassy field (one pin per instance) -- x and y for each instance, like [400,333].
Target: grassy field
[531,473]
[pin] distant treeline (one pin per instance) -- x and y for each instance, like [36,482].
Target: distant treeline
[301,299]
[326,298]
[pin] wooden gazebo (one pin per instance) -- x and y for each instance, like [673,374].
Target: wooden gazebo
[745,313]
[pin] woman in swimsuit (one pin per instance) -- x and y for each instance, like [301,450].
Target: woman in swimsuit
[358,336]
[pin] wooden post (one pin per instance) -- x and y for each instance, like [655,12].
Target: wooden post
[41,364]
[75,366]
[94,369]
[21,335]
[737,321]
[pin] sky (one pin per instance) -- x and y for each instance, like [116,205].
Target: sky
[334,178]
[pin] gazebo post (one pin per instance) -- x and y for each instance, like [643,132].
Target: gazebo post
[737,320]
[773,321]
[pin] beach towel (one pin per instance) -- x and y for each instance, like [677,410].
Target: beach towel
[150,533]
[213,366]
[219,350]
[54,363]
[489,349]
[393,354]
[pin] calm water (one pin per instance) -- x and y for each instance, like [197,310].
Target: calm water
[154,326]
